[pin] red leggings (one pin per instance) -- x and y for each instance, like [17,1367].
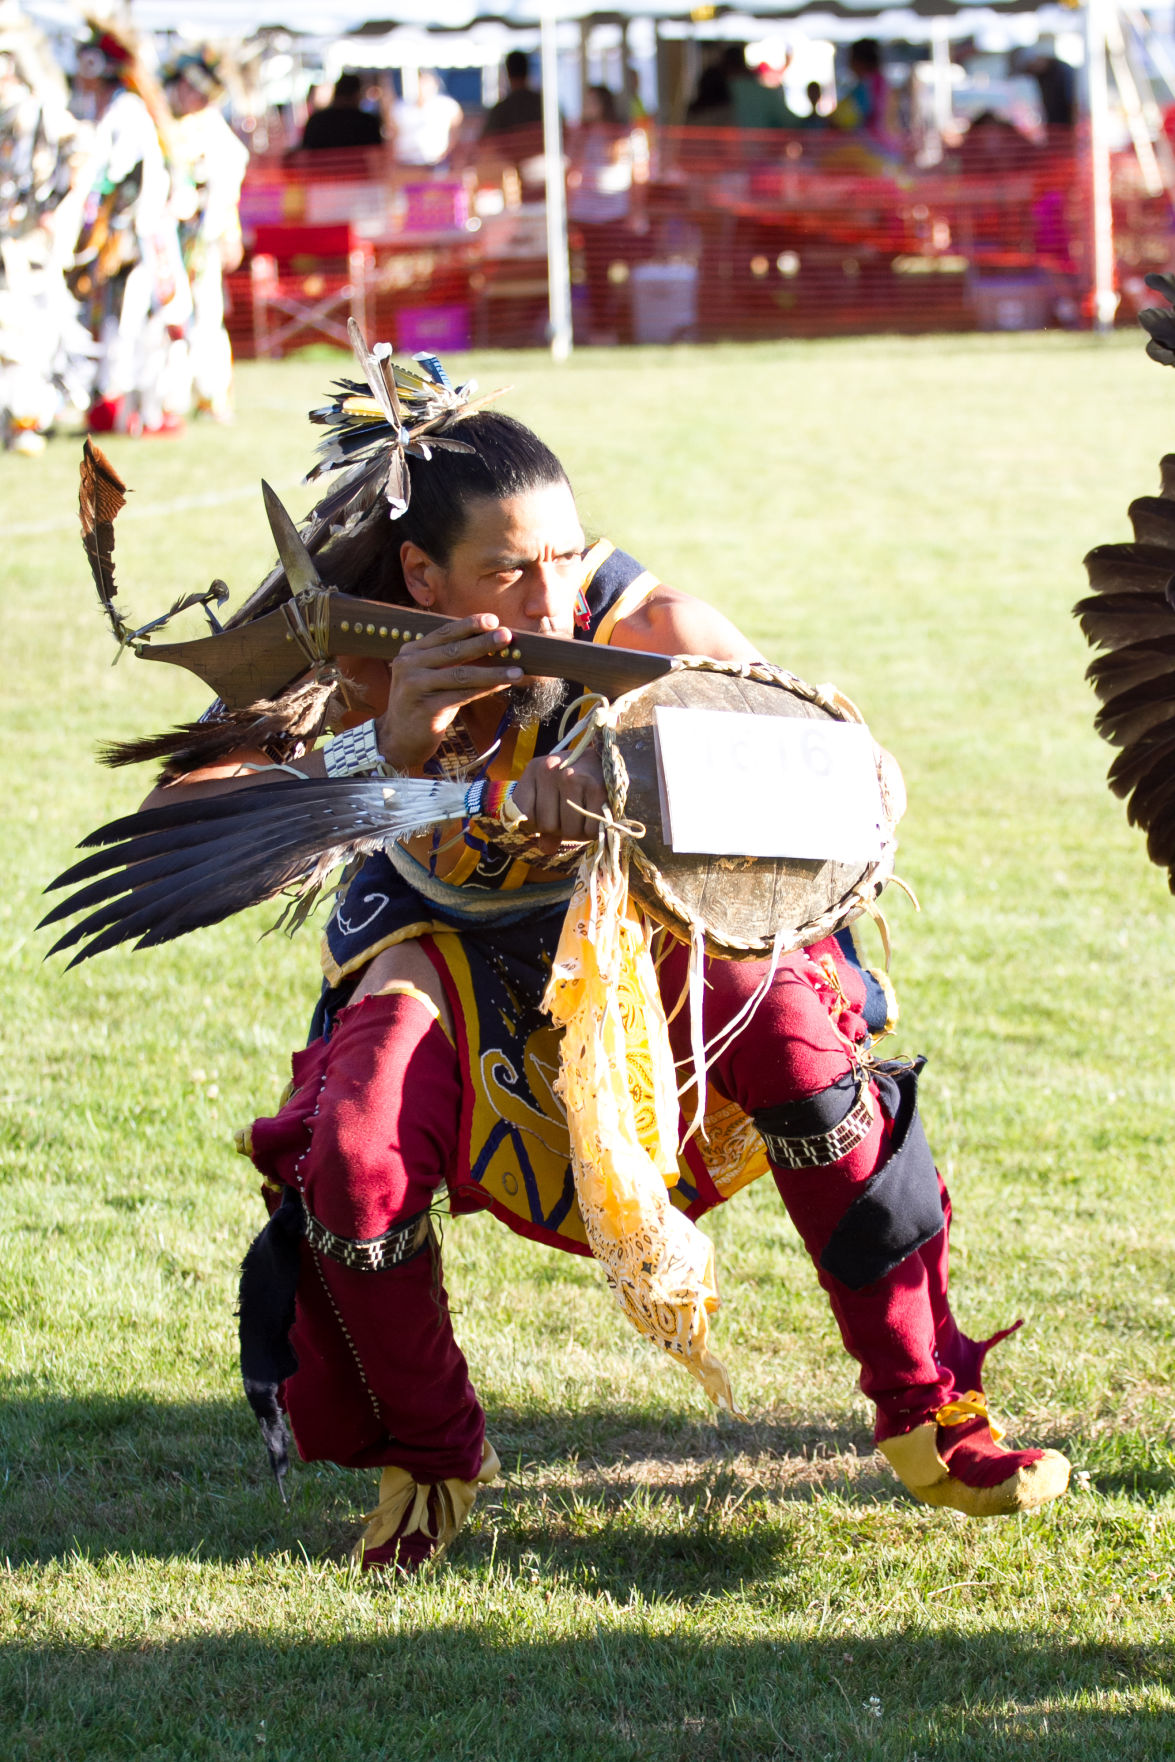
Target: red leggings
[370,1133]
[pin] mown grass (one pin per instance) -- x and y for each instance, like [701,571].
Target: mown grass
[906,518]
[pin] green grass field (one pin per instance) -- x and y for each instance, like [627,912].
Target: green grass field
[906,518]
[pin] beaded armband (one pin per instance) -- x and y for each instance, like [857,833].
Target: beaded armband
[371,1254]
[820,1149]
[354,753]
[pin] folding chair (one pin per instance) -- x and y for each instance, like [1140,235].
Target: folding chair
[311,278]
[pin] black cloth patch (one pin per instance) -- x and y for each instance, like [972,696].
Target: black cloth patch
[269,1285]
[876,1010]
[812,1114]
[900,1207]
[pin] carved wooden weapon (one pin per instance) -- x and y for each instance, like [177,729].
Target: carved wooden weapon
[260,659]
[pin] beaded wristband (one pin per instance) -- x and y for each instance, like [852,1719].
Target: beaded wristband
[354,752]
[492,801]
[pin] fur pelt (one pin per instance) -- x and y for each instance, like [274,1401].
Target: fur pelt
[283,726]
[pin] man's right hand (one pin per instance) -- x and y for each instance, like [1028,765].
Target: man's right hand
[431,679]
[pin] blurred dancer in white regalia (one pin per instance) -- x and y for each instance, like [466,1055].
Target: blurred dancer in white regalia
[45,353]
[127,269]
[208,173]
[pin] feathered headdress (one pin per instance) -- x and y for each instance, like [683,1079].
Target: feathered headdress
[373,428]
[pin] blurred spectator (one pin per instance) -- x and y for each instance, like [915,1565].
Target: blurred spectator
[343,123]
[711,106]
[45,354]
[992,144]
[867,107]
[522,107]
[1057,83]
[511,141]
[610,163]
[632,95]
[756,94]
[208,169]
[424,130]
[814,92]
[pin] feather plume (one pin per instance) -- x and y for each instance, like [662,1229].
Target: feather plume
[1129,568]
[373,426]
[1159,321]
[1137,711]
[1153,520]
[1119,669]
[1137,765]
[163,872]
[1115,620]
[288,723]
[101,498]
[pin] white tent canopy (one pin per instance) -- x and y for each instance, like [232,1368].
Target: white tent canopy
[328,21]
[333,18]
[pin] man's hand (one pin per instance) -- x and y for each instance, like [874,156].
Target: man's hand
[552,795]
[431,679]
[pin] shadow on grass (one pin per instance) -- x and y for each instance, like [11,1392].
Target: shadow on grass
[476,1689]
[613,1495]
[103,1473]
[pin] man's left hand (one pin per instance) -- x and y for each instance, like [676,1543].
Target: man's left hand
[552,795]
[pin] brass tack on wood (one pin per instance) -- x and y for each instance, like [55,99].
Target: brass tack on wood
[383,629]
[346,625]
[395,635]
[371,630]
[515,654]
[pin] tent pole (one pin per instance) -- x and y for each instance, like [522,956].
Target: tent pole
[1105,300]
[558,266]
[1137,120]
[940,60]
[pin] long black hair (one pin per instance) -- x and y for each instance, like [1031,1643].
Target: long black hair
[509,460]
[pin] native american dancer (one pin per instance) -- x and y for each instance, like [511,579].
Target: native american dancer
[127,270]
[210,168]
[433,1064]
[45,353]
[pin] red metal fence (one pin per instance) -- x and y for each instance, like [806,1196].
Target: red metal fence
[701,234]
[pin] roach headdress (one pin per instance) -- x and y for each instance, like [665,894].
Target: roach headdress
[373,427]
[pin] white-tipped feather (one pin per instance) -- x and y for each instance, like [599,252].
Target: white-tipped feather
[169,870]
[414,804]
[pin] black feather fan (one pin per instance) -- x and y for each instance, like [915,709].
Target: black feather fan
[165,871]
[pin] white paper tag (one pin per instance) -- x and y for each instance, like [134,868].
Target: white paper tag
[735,784]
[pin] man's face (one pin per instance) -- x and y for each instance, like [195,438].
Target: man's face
[520,558]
